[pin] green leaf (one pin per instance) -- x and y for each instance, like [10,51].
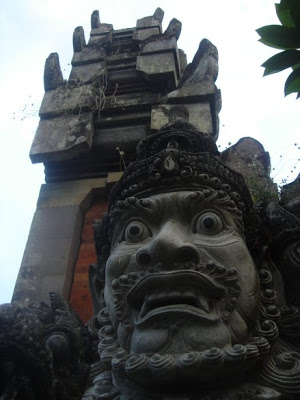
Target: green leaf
[285,17]
[279,37]
[281,61]
[288,12]
[292,84]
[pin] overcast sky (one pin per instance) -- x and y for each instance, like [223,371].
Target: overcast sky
[32,29]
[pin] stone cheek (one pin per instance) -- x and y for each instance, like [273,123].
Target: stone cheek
[183,277]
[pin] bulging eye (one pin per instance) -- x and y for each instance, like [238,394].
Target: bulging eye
[136,231]
[208,223]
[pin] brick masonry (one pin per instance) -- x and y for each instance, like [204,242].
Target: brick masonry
[80,299]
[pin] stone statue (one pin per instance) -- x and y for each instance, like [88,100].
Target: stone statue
[189,297]
[195,291]
[196,288]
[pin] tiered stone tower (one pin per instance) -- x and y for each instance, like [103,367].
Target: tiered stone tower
[195,274]
[124,85]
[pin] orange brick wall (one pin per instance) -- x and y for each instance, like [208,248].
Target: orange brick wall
[80,299]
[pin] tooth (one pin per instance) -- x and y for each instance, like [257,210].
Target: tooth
[203,304]
[152,296]
[161,295]
[188,293]
[144,309]
[174,293]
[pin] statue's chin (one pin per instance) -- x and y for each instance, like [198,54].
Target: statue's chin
[185,351]
[199,368]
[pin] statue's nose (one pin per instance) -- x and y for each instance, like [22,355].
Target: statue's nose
[168,247]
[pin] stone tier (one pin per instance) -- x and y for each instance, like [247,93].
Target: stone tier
[121,88]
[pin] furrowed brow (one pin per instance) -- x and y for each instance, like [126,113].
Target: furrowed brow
[150,210]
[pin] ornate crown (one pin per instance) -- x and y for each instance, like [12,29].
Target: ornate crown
[177,158]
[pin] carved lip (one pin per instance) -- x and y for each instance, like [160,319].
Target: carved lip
[175,293]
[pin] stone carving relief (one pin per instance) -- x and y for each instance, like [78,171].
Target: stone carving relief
[44,352]
[196,288]
[195,291]
[190,297]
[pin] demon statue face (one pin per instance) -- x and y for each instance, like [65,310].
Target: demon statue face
[184,305]
[180,278]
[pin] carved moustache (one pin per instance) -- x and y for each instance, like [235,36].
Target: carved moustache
[208,291]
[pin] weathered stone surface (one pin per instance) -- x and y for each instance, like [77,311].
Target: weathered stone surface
[101,40]
[49,341]
[148,22]
[89,54]
[142,34]
[132,101]
[113,177]
[158,68]
[102,29]
[249,157]
[173,29]
[67,100]
[159,14]
[49,252]
[137,117]
[280,226]
[125,137]
[193,92]
[92,73]
[53,76]
[291,191]
[204,64]
[116,58]
[199,116]
[199,77]
[160,45]
[95,19]
[78,39]
[182,60]
[71,193]
[62,138]
[122,76]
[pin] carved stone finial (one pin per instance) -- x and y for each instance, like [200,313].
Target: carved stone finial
[173,29]
[95,20]
[204,64]
[159,14]
[53,76]
[78,39]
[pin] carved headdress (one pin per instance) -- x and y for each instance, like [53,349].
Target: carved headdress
[176,158]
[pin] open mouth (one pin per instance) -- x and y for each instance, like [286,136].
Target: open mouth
[174,293]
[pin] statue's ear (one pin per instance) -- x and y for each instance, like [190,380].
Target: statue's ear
[96,287]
